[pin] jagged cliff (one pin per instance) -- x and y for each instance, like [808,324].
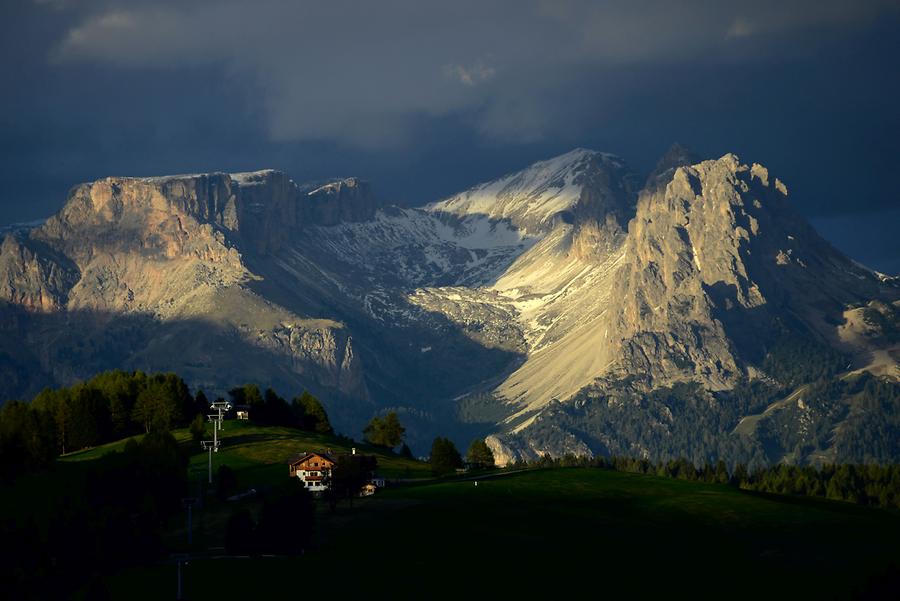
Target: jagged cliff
[500,310]
[713,262]
[165,260]
[716,268]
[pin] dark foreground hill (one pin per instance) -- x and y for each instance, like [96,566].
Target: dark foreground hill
[110,523]
[564,532]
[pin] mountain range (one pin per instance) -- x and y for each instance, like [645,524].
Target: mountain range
[575,306]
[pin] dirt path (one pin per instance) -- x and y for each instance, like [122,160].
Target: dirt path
[747,425]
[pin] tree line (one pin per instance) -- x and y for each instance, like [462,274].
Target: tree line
[387,432]
[118,404]
[870,484]
[305,411]
[445,458]
[867,484]
[110,406]
[685,420]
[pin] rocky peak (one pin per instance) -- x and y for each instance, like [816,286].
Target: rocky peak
[532,287]
[153,273]
[257,211]
[578,185]
[266,208]
[713,257]
[344,200]
[151,214]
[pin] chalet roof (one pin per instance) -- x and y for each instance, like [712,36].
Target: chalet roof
[304,456]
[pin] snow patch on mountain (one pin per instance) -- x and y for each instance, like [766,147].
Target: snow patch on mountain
[251,178]
[530,198]
[414,248]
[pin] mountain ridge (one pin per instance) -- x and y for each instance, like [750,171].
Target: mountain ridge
[522,292]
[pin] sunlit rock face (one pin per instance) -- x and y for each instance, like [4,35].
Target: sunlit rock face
[166,255]
[517,293]
[714,268]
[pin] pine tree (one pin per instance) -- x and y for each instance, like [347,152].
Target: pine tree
[248,394]
[198,428]
[310,414]
[479,454]
[740,476]
[405,451]
[444,456]
[384,432]
[721,472]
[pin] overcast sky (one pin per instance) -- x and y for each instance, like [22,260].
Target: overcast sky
[426,98]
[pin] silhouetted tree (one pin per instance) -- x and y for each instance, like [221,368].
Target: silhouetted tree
[721,472]
[274,411]
[26,439]
[349,475]
[405,451]
[479,454]
[444,456]
[248,394]
[201,403]
[739,476]
[384,431]
[310,414]
[198,428]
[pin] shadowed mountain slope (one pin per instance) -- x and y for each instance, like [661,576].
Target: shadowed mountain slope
[476,314]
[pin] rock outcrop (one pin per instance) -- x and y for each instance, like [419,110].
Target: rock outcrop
[33,276]
[341,201]
[167,256]
[714,261]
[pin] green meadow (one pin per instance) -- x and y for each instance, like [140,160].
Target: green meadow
[539,533]
[260,453]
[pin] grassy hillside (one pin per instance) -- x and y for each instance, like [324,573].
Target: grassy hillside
[534,533]
[259,453]
[558,531]
[181,435]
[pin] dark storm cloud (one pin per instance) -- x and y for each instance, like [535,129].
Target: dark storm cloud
[365,73]
[425,98]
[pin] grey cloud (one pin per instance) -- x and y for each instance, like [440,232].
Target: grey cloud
[365,73]
[126,38]
[775,17]
[472,75]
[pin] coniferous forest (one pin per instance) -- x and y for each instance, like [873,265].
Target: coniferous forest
[117,404]
[686,421]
